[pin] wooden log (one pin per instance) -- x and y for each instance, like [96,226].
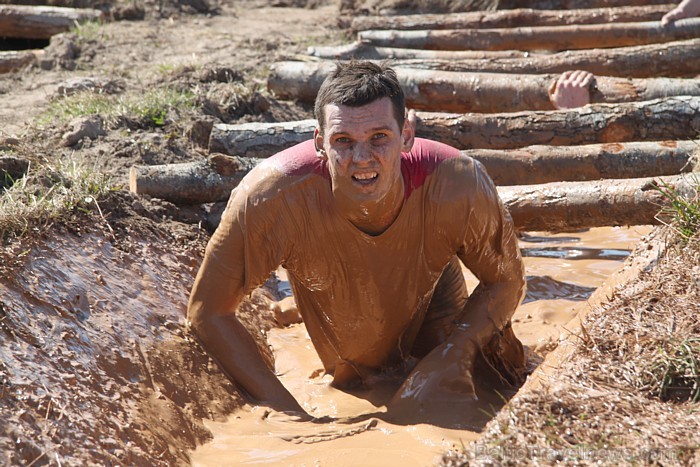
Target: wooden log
[42,22]
[659,119]
[259,139]
[568,206]
[544,164]
[656,120]
[14,60]
[512,18]
[476,92]
[202,181]
[555,207]
[573,4]
[569,37]
[366,51]
[674,59]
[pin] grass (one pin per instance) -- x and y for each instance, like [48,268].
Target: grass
[153,107]
[684,211]
[52,194]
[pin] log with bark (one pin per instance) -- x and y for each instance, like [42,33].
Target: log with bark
[526,166]
[659,119]
[672,59]
[656,120]
[573,4]
[555,207]
[42,22]
[201,181]
[477,92]
[259,139]
[512,18]
[544,164]
[14,60]
[365,51]
[569,37]
[568,206]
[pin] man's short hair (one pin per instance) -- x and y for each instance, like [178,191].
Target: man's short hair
[358,83]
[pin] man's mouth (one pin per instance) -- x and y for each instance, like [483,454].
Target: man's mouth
[365,178]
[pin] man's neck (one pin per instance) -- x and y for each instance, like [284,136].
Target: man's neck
[373,218]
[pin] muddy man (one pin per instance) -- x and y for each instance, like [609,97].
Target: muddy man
[371,224]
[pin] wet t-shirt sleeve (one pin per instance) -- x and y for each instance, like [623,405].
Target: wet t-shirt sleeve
[489,249]
[246,246]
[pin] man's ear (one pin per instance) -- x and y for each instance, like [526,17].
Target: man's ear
[408,133]
[318,144]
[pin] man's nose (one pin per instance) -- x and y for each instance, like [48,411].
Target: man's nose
[362,153]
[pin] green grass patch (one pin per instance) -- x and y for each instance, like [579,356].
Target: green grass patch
[152,107]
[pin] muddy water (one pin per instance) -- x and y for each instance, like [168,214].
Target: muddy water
[562,271]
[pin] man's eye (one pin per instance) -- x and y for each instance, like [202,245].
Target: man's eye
[379,136]
[342,140]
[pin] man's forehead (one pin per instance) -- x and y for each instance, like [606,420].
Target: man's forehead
[376,114]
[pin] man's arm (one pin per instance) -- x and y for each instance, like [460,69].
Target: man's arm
[491,252]
[218,290]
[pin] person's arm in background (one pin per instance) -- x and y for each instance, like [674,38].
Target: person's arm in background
[685,9]
[572,89]
[217,292]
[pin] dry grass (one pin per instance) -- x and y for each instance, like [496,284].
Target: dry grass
[628,393]
[50,193]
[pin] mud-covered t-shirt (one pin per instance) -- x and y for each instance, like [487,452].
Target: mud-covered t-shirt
[363,297]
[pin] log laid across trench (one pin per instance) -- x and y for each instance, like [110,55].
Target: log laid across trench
[202,181]
[42,22]
[656,120]
[477,92]
[544,164]
[568,206]
[512,18]
[567,37]
[671,59]
[555,207]
[213,178]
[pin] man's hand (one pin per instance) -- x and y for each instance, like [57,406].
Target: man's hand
[572,89]
[286,311]
[441,379]
[685,9]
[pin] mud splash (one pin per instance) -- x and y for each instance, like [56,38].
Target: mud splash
[563,271]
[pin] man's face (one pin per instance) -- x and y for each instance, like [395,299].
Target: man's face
[363,146]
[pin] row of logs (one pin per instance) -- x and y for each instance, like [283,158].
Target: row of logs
[555,170]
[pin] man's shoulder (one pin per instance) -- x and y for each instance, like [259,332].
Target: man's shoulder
[437,162]
[285,170]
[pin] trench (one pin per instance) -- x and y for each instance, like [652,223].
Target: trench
[14,43]
[563,271]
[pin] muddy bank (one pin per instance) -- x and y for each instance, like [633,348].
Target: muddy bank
[96,365]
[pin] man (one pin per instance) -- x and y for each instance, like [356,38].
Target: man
[370,224]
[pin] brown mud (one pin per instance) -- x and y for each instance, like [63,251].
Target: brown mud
[563,271]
